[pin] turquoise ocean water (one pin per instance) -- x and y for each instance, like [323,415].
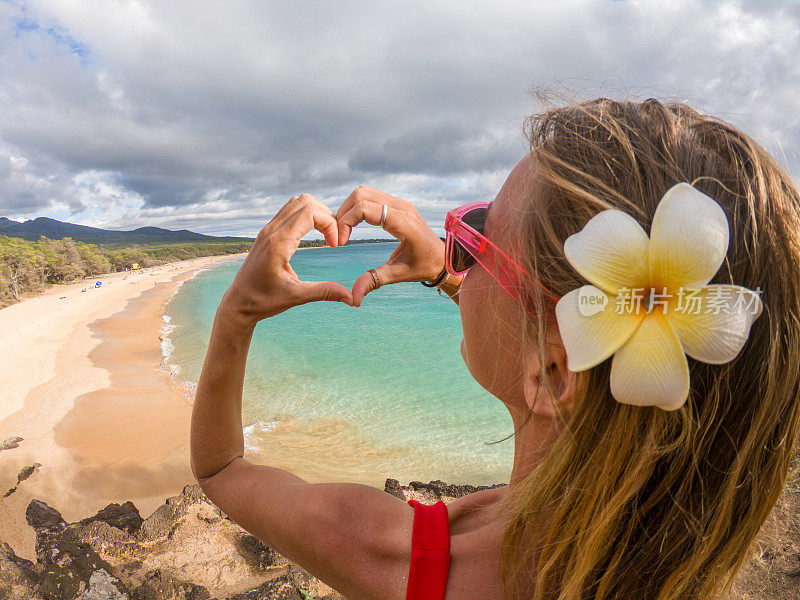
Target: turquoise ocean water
[336,393]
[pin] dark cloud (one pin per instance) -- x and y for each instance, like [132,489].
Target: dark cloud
[134,113]
[445,149]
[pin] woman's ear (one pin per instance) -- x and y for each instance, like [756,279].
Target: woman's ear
[538,396]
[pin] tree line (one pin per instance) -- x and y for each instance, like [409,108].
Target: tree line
[27,266]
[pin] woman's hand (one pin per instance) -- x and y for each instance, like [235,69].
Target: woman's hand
[266,284]
[420,255]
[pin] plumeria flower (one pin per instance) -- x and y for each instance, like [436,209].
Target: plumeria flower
[650,304]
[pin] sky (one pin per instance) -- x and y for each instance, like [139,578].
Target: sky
[210,115]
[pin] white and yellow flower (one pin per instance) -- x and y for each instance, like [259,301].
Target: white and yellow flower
[649,333]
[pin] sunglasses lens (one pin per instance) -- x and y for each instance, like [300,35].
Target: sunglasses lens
[462,259]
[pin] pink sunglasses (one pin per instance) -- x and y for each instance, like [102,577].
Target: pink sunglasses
[465,245]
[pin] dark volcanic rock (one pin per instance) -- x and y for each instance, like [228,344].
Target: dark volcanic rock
[392,486]
[122,516]
[10,443]
[186,550]
[40,516]
[434,491]
[27,472]
[161,584]
[257,554]
[279,589]
[71,563]
[18,577]
[22,476]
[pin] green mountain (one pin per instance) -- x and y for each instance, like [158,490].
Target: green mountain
[53,229]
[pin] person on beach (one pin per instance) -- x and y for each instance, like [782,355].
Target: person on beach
[631,295]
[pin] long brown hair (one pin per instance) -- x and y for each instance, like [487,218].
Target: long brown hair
[636,502]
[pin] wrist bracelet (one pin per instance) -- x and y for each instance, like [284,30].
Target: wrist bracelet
[443,276]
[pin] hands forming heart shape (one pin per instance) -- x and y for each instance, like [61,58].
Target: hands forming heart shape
[266,284]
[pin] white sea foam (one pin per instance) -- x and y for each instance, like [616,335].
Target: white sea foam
[178,287]
[167,349]
[191,389]
[249,432]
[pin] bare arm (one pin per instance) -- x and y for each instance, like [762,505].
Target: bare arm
[355,538]
[216,436]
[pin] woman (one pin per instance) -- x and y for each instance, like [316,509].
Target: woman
[638,473]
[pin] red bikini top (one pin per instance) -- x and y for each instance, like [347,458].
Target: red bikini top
[430,552]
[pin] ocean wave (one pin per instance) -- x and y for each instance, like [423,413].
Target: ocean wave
[167,347]
[251,432]
[178,286]
[173,368]
[190,387]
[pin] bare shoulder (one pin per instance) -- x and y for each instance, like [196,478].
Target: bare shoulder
[474,510]
[482,497]
[476,540]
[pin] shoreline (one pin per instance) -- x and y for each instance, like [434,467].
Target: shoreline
[83,381]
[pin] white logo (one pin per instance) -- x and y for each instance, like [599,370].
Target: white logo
[591,300]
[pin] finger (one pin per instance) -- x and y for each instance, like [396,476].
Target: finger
[362,210]
[386,274]
[312,214]
[364,193]
[306,199]
[280,218]
[313,291]
[372,213]
[286,210]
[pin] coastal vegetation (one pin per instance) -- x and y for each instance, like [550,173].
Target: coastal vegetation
[29,266]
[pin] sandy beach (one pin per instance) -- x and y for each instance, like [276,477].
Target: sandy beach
[82,385]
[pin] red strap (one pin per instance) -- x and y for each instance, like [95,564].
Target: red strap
[430,552]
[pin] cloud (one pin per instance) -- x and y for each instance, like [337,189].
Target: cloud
[155,113]
[447,148]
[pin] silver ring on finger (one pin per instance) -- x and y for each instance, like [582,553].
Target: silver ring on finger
[383,216]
